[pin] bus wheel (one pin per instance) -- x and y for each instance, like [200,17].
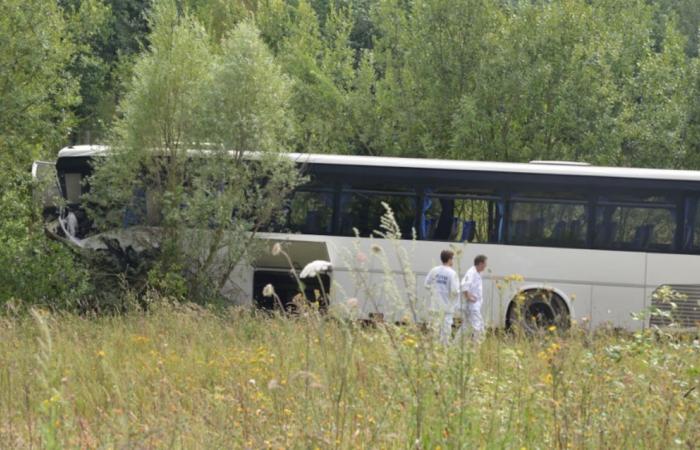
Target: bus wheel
[537,310]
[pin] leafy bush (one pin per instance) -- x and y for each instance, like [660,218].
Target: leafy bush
[35,270]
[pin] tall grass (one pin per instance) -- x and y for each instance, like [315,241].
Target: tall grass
[186,377]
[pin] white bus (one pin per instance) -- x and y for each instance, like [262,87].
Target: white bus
[598,242]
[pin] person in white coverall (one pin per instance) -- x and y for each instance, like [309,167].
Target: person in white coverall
[473,297]
[443,284]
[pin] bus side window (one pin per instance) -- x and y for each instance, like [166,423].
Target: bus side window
[691,240]
[73,187]
[635,226]
[497,222]
[363,210]
[311,212]
[455,219]
[547,222]
[445,221]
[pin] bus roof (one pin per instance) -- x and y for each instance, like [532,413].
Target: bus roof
[535,168]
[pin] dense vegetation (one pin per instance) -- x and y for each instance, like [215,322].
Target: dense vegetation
[605,81]
[191,113]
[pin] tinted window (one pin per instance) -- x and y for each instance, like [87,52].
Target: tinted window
[634,227]
[73,183]
[459,219]
[364,210]
[538,222]
[311,212]
[692,225]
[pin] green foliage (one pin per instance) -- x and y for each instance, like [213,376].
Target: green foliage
[37,92]
[87,26]
[36,88]
[219,16]
[551,80]
[35,269]
[603,81]
[161,108]
[190,115]
[687,17]
[247,97]
[319,65]
[692,137]
[108,35]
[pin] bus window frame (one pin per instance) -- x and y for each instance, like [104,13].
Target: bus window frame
[520,197]
[313,190]
[674,207]
[689,223]
[485,197]
[342,190]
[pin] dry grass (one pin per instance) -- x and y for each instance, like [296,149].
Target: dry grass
[183,377]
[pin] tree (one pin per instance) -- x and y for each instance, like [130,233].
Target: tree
[36,88]
[314,43]
[87,25]
[219,17]
[191,116]
[686,14]
[37,93]
[569,79]
[431,53]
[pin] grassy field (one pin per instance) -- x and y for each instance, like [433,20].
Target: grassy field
[184,377]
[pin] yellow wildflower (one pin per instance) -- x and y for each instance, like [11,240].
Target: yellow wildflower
[516,277]
[409,342]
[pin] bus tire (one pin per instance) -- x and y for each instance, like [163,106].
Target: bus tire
[537,310]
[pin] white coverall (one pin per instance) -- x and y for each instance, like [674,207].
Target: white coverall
[443,284]
[471,310]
